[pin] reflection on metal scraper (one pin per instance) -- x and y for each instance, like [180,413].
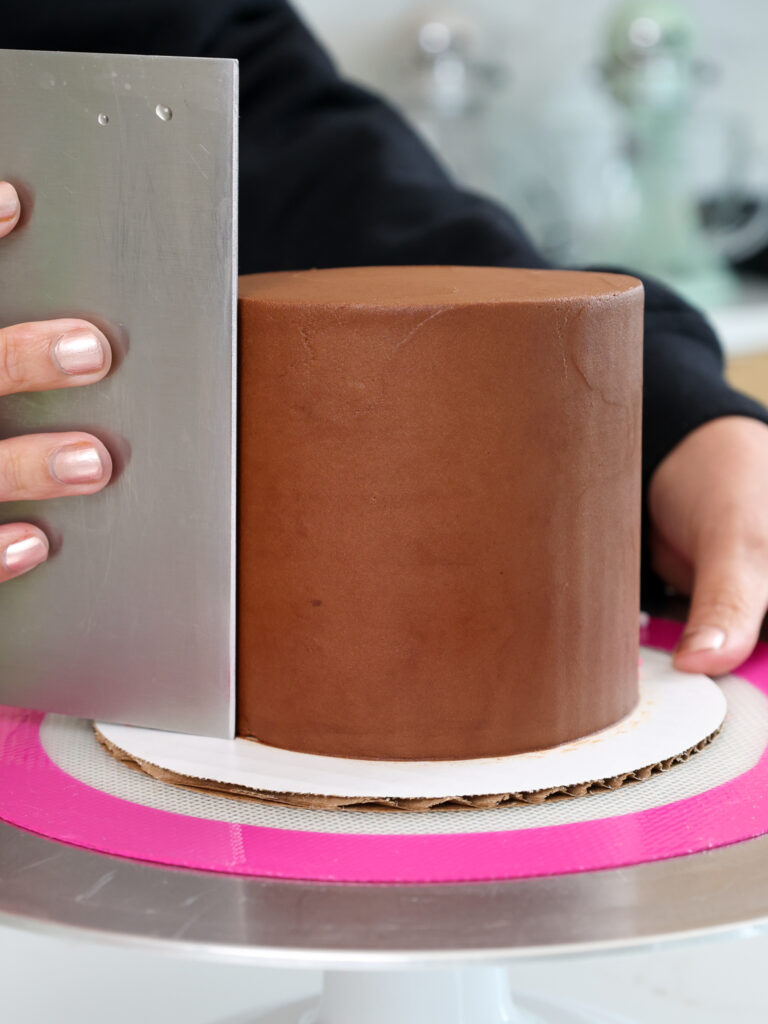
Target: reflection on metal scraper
[126,168]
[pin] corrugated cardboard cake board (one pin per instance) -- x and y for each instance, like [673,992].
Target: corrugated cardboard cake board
[311,801]
[678,714]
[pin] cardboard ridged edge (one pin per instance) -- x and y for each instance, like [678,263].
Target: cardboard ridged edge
[307,801]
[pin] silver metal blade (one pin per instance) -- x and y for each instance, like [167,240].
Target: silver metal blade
[127,171]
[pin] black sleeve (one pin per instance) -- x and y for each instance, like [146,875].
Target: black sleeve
[330,175]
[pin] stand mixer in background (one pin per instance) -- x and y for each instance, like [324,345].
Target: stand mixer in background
[639,169]
[451,75]
[443,76]
[675,219]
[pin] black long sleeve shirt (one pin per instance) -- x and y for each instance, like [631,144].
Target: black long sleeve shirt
[331,175]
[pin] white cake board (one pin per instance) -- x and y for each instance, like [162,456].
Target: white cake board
[676,713]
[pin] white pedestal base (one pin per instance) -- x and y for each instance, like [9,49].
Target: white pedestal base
[475,995]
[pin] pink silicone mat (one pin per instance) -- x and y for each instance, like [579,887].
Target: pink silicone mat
[37,795]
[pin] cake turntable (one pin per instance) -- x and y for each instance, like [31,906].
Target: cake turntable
[650,863]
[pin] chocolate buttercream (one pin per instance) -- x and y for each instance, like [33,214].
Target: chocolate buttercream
[439,509]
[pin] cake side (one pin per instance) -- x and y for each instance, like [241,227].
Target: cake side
[439,505]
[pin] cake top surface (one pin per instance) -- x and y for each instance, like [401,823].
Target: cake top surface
[402,287]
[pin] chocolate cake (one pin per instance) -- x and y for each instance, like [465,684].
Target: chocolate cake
[439,509]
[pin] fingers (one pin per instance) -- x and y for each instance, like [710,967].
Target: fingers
[47,354]
[22,547]
[730,596]
[10,208]
[52,466]
[42,356]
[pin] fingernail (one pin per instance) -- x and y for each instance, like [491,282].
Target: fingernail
[9,201]
[24,554]
[76,464]
[701,638]
[78,352]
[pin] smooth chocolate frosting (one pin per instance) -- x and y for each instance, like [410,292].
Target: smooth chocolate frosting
[439,509]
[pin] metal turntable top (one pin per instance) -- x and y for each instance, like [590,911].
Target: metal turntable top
[49,887]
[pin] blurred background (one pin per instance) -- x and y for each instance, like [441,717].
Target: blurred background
[629,134]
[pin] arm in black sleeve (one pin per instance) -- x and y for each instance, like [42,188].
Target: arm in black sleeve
[683,374]
[330,175]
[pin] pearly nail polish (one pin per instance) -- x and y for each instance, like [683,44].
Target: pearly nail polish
[24,554]
[702,638]
[9,203]
[76,464]
[78,352]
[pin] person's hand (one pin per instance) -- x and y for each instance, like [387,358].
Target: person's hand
[40,356]
[708,503]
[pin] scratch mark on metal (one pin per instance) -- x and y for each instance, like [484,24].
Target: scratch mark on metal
[197,165]
[96,887]
[36,863]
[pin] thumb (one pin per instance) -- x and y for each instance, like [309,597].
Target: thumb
[730,594]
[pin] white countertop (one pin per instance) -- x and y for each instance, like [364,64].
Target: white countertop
[45,979]
[743,325]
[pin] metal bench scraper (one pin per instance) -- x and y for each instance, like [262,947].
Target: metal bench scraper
[127,171]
